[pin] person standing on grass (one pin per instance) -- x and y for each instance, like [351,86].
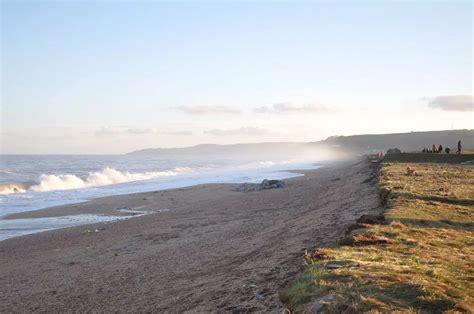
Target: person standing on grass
[433,149]
[459,147]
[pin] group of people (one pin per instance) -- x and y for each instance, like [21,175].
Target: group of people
[439,149]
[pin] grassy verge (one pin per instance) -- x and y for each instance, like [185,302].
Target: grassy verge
[430,158]
[420,259]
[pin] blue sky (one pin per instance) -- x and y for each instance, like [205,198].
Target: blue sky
[110,77]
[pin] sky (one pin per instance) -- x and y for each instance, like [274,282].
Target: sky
[107,77]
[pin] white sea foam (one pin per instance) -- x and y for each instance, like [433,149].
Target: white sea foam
[107,176]
[11,188]
[266,163]
[6,171]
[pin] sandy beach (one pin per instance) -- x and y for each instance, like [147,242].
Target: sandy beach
[206,248]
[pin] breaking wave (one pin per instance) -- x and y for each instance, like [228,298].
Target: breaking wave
[12,188]
[107,176]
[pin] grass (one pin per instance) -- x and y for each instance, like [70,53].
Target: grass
[466,156]
[426,263]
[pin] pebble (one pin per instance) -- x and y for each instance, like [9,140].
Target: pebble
[333,266]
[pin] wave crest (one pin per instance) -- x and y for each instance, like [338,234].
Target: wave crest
[107,176]
[12,188]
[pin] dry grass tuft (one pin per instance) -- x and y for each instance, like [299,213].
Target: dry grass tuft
[316,254]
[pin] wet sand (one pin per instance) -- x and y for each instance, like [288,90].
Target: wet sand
[211,249]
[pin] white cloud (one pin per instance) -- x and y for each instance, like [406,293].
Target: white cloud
[113,131]
[198,110]
[177,132]
[108,131]
[245,131]
[288,107]
[452,103]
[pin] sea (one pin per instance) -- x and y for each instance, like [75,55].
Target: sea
[32,182]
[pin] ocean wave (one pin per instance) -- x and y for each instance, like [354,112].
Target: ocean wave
[267,163]
[107,176]
[12,188]
[6,171]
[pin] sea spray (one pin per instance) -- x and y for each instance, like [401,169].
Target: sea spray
[107,176]
[11,188]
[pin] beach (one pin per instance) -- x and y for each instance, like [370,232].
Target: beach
[200,248]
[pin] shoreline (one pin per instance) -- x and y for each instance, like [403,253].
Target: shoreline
[214,249]
[106,202]
[31,201]
[73,214]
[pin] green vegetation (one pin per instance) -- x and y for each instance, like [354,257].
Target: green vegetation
[430,158]
[423,256]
